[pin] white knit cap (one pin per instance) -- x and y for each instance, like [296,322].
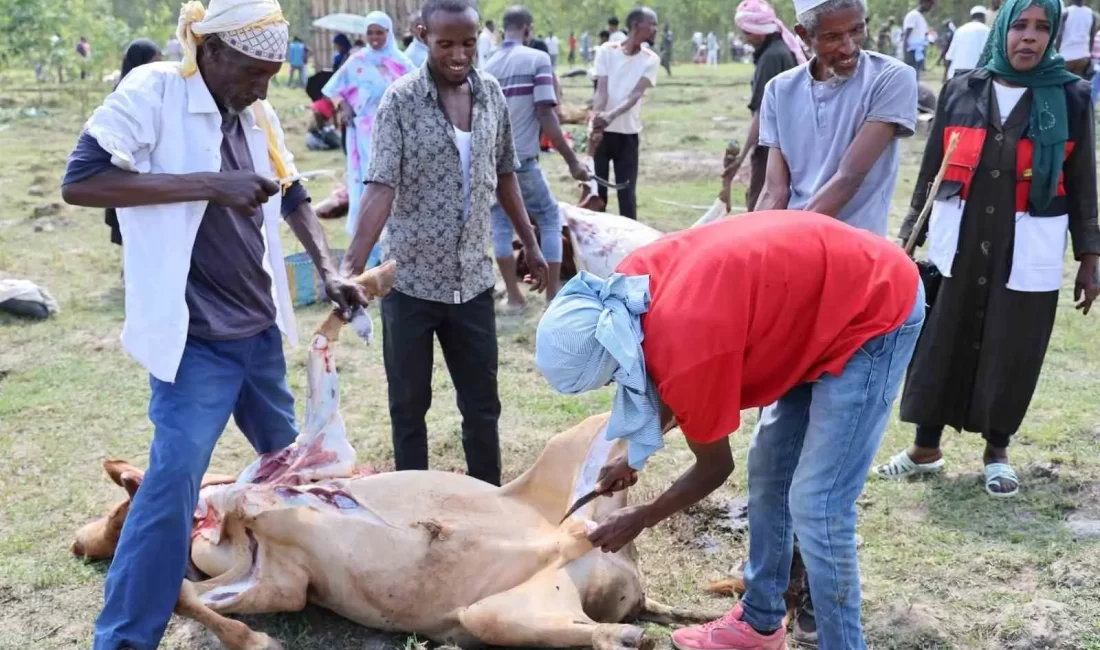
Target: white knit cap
[978,9]
[802,6]
[255,27]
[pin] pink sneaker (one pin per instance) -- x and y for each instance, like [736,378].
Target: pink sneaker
[728,633]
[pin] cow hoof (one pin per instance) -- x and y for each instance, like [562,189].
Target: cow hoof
[622,637]
[261,641]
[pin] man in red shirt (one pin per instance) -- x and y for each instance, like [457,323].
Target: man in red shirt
[790,309]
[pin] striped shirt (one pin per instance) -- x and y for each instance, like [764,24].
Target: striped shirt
[527,79]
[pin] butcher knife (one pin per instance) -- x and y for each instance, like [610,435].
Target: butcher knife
[610,185]
[582,502]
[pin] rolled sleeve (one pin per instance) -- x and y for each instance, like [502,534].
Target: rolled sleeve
[769,119]
[125,125]
[894,99]
[86,160]
[387,145]
[295,196]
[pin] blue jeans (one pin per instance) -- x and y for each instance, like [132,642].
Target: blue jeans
[245,378]
[541,205]
[1095,87]
[808,461]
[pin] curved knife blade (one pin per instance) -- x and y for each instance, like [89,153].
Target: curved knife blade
[580,503]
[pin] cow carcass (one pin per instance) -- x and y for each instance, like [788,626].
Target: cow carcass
[438,554]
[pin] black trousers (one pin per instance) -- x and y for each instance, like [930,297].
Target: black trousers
[621,149]
[468,335]
[758,170]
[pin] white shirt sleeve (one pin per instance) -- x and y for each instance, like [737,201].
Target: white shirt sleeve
[126,124]
[769,120]
[910,22]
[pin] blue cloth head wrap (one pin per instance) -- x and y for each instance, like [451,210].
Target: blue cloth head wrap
[590,335]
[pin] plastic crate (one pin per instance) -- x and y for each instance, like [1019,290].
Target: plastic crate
[305,283]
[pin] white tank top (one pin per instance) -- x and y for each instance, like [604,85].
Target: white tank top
[462,138]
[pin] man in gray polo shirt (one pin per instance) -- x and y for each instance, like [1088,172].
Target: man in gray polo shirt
[833,123]
[527,78]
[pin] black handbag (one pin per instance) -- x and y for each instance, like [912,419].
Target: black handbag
[930,276]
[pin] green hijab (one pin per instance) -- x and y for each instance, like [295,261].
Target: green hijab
[1048,124]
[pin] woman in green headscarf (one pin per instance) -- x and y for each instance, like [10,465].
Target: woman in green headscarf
[1020,183]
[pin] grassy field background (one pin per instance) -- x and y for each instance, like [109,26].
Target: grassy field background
[944,566]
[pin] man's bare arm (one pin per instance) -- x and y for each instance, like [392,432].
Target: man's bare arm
[713,465]
[777,183]
[751,141]
[306,226]
[551,126]
[866,148]
[116,188]
[633,98]
[599,102]
[511,201]
[240,191]
[374,209]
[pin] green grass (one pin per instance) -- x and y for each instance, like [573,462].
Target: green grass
[937,550]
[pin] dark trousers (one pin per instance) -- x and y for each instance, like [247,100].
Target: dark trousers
[468,335]
[621,149]
[758,170]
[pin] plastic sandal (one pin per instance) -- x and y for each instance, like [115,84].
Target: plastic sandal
[901,466]
[996,473]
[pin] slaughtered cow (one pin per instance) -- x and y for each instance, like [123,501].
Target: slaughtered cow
[438,554]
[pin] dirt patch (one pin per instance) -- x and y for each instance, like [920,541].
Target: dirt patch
[711,525]
[1040,625]
[1073,574]
[906,627]
[46,210]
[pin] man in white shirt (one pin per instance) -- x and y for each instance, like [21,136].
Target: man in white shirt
[554,45]
[187,153]
[915,37]
[1075,39]
[968,43]
[616,36]
[486,44]
[624,72]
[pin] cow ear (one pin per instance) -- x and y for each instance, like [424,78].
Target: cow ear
[116,468]
[131,480]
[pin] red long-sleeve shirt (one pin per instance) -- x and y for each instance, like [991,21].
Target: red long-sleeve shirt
[745,309]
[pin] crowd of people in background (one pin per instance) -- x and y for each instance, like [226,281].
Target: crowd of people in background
[433,184]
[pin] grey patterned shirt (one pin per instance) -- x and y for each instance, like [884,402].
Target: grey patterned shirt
[441,256]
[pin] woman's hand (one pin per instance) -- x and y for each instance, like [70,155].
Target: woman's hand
[619,529]
[1087,286]
[344,114]
[616,475]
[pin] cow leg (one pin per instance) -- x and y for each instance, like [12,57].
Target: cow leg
[546,612]
[662,614]
[233,634]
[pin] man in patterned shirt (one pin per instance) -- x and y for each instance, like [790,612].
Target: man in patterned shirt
[443,154]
